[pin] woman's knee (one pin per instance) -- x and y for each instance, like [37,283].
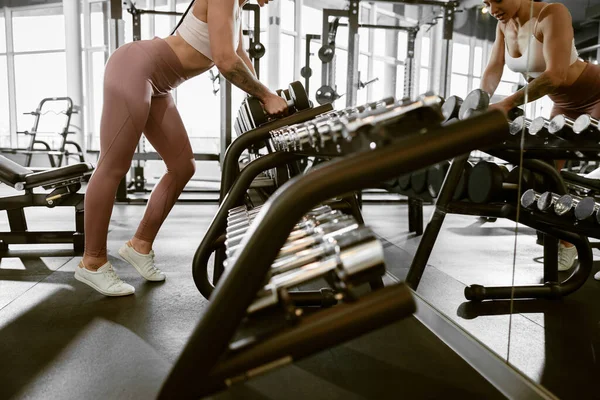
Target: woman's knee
[188,169]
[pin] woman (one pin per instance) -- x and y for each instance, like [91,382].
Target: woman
[137,82]
[536,39]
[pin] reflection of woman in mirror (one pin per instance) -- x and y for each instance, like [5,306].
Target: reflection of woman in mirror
[537,41]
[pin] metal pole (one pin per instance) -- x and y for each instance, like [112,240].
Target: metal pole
[447,49]
[72,13]
[225,90]
[353,50]
[409,64]
[274,43]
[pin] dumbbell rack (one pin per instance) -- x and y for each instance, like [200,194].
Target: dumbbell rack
[552,226]
[333,144]
[211,360]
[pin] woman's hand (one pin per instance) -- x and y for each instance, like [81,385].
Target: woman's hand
[275,105]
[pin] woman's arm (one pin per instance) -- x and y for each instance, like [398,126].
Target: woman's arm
[220,17]
[557,32]
[495,67]
[241,51]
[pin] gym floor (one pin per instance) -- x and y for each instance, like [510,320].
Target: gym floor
[61,339]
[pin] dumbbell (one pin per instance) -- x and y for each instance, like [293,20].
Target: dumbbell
[530,198]
[346,240]
[519,123]
[404,182]
[478,100]
[487,182]
[246,217]
[565,205]
[302,239]
[297,101]
[546,201]
[435,177]
[585,124]
[561,126]
[491,182]
[586,208]
[418,181]
[236,232]
[461,190]
[539,126]
[451,107]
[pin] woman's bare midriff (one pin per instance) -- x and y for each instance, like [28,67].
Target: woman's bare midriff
[193,62]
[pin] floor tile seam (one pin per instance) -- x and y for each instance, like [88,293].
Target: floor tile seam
[34,285]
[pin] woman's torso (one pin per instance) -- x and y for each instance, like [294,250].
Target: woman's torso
[193,61]
[524,48]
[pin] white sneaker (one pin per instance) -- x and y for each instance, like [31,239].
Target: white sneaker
[143,263]
[105,280]
[566,257]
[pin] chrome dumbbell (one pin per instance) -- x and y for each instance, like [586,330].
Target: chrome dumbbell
[586,208]
[345,266]
[530,198]
[315,236]
[236,232]
[310,228]
[237,223]
[547,201]
[539,126]
[586,125]
[517,126]
[561,125]
[565,205]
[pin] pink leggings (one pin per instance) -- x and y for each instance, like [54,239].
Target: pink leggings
[582,97]
[137,81]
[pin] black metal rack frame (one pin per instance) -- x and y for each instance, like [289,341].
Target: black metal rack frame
[553,227]
[206,366]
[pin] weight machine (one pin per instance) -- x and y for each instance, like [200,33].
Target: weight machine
[328,92]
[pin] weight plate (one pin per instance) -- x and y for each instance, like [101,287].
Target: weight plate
[325,95]
[435,177]
[546,201]
[478,100]
[451,107]
[557,124]
[404,182]
[517,126]
[418,181]
[299,96]
[256,113]
[326,53]
[537,125]
[528,198]
[461,189]
[484,180]
[582,123]
[563,205]
[585,209]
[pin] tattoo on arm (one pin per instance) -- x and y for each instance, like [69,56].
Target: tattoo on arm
[537,88]
[241,76]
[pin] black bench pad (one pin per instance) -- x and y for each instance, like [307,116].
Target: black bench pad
[12,173]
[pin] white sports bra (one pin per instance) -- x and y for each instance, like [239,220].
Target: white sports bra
[537,63]
[195,33]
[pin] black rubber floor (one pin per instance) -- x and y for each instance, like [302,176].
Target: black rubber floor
[60,339]
[404,360]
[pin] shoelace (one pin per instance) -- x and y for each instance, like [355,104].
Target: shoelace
[153,268]
[112,276]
